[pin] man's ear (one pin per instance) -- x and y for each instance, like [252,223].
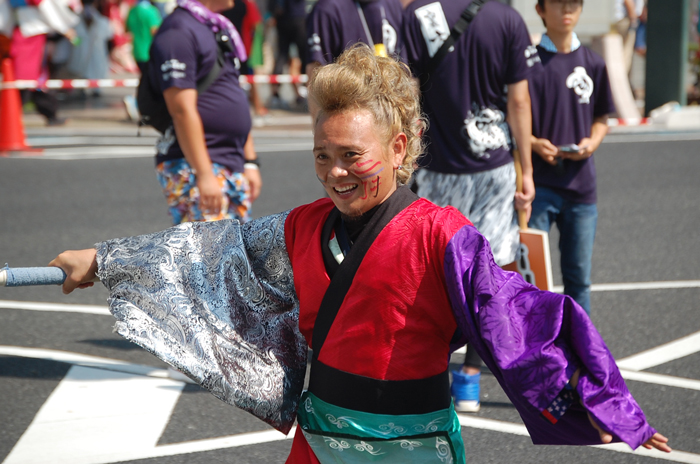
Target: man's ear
[539,9]
[399,149]
[540,13]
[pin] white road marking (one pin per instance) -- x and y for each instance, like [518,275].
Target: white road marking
[660,285]
[77,425]
[88,415]
[519,429]
[96,416]
[74,424]
[95,141]
[493,425]
[659,355]
[661,379]
[232,441]
[641,137]
[662,354]
[85,360]
[115,147]
[59,307]
[137,151]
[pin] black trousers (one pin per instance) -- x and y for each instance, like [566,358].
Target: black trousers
[46,104]
[290,31]
[472,359]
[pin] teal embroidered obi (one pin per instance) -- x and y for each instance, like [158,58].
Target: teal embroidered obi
[340,435]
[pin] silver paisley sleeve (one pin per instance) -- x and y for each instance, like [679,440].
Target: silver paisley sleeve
[215,300]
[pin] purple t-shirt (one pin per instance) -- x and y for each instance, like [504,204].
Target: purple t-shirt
[183,52]
[465,98]
[566,97]
[333,25]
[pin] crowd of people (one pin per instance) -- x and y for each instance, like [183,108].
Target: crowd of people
[393,271]
[83,39]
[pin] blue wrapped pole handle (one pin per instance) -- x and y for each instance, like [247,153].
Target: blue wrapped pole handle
[23,276]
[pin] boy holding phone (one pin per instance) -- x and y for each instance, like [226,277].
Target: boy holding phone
[571,100]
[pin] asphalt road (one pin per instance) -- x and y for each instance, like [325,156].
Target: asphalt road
[52,410]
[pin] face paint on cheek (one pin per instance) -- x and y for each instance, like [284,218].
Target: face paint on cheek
[373,174]
[364,186]
[320,180]
[369,172]
[375,188]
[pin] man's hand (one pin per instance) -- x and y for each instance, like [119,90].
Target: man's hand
[546,149]
[523,200]
[252,171]
[211,196]
[80,267]
[657,440]
[254,182]
[588,146]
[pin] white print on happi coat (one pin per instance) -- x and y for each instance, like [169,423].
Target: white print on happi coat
[389,36]
[314,43]
[532,56]
[581,83]
[173,69]
[433,25]
[486,129]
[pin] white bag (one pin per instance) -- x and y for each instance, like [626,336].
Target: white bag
[49,16]
[59,17]
[7,18]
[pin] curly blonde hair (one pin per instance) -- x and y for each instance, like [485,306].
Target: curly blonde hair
[380,85]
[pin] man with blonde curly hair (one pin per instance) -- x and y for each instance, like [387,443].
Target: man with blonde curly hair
[381,284]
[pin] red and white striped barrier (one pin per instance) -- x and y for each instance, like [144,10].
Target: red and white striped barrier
[616,122]
[111,83]
[275,79]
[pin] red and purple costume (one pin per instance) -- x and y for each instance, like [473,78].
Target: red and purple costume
[426,285]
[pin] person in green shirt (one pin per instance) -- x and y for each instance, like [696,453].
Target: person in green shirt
[143,22]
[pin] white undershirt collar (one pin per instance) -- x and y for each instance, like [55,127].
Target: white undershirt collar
[549,46]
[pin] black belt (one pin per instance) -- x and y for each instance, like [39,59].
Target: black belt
[393,397]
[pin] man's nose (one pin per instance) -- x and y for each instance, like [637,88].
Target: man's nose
[339,170]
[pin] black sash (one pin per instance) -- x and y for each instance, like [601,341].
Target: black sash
[395,397]
[353,391]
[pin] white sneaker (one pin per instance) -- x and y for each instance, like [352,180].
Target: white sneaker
[467,406]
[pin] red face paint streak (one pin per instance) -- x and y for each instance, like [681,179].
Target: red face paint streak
[359,173]
[359,165]
[364,186]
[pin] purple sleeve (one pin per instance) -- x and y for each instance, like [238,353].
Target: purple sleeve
[174,55]
[323,31]
[604,103]
[522,56]
[533,341]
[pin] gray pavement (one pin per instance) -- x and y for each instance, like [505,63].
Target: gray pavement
[645,302]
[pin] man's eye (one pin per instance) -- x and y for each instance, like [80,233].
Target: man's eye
[350,154]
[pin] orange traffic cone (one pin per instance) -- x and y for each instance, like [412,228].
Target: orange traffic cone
[12,136]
